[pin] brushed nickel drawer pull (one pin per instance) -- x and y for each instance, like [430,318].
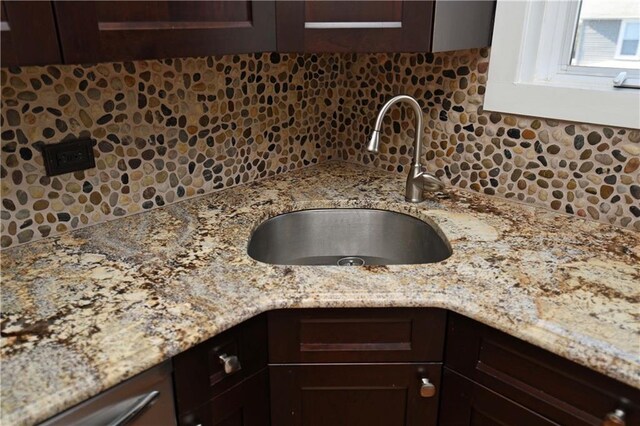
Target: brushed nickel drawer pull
[139,405]
[614,419]
[231,363]
[427,389]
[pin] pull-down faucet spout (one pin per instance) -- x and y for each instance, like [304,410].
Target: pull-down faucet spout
[418,180]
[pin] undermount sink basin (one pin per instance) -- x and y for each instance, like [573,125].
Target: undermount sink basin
[346,237]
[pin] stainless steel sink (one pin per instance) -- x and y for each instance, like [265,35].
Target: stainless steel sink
[346,237]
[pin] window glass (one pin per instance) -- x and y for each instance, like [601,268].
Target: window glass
[607,34]
[630,37]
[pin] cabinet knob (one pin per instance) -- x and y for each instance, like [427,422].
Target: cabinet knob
[614,419]
[427,389]
[231,363]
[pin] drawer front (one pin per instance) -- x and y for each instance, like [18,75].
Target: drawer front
[245,404]
[120,401]
[558,389]
[353,394]
[356,335]
[200,372]
[465,403]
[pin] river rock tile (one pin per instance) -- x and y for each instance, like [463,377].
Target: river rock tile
[455,145]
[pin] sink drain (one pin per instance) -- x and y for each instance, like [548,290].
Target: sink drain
[350,261]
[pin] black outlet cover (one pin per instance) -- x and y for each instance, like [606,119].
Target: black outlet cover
[68,156]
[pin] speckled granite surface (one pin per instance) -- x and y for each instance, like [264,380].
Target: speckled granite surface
[86,310]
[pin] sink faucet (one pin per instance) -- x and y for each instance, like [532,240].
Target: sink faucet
[419,180]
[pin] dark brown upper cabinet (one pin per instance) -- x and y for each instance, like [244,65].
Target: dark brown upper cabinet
[383,26]
[102,31]
[126,30]
[28,33]
[354,26]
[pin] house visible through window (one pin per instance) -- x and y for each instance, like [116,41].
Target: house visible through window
[608,34]
[629,43]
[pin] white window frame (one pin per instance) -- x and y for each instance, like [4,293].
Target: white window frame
[529,73]
[619,55]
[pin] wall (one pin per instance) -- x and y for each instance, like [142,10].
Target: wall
[171,129]
[588,170]
[165,131]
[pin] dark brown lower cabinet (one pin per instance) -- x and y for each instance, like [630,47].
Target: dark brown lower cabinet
[246,404]
[363,367]
[558,390]
[466,403]
[225,380]
[353,394]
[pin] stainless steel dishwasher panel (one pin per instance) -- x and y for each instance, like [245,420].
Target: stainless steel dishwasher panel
[144,400]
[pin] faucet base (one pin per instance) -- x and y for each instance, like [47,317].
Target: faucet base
[414,200]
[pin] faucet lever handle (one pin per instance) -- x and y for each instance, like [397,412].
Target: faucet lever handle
[431,182]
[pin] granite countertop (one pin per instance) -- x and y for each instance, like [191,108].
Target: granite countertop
[89,309]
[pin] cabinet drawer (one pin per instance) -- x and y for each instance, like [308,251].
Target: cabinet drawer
[199,372]
[353,394]
[245,404]
[356,335]
[466,403]
[119,402]
[552,386]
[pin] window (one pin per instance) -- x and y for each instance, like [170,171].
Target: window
[559,59]
[628,46]
[607,34]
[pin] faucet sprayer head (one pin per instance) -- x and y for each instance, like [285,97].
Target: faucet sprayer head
[374,142]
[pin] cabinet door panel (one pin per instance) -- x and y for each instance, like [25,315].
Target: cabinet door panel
[199,373]
[356,335]
[354,26]
[28,33]
[113,30]
[131,14]
[360,11]
[353,394]
[558,389]
[465,403]
[246,404]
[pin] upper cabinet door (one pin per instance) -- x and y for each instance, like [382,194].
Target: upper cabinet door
[28,33]
[354,26]
[125,30]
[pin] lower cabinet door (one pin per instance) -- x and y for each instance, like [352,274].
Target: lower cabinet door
[246,404]
[467,403]
[355,394]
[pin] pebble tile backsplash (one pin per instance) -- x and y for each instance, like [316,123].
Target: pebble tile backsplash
[167,130]
[588,170]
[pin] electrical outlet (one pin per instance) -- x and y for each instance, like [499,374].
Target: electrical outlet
[68,156]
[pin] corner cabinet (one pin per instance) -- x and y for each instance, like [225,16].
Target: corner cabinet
[97,31]
[383,26]
[28,33]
